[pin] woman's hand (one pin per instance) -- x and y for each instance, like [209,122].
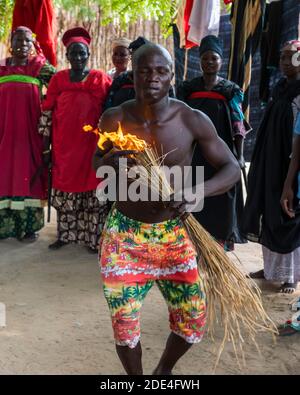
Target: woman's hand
[286,201]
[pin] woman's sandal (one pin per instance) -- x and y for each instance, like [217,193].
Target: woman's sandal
[288,288]
[57,245]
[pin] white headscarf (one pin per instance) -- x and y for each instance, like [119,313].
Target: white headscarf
[121,42]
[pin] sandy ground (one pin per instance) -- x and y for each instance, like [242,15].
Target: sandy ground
[58,321]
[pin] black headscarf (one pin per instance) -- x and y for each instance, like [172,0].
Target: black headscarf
[210,43]
[136,44]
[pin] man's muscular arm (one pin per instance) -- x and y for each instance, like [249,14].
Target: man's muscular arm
[216,153]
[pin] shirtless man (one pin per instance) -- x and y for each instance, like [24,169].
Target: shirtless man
[146,242]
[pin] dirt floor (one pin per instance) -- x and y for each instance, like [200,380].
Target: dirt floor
[58,320]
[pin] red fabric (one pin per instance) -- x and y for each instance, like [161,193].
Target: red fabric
[228,1]
[187,14]
[20,144]
[39,16]
[208,95]
[76,35]
[75,104]
[77,40]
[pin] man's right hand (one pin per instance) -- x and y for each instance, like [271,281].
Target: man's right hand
[286,201]
[112,157]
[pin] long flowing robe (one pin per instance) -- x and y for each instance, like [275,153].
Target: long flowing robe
[74,105]
[264,220]
[22,186]
[80,216]
[221,214]
[20,144]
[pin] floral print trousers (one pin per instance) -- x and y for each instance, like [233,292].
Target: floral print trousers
[135,255]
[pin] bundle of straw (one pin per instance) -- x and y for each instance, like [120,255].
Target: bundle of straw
[241,313]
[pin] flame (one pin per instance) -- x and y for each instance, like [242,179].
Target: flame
[87,128]
[120,140]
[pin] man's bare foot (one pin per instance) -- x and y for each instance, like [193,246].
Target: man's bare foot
[288,288]
[257,275]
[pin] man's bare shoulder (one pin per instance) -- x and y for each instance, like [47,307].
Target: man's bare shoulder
[188,113]
[184,108]
[195,121]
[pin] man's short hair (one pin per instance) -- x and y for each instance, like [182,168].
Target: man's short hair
[152,48]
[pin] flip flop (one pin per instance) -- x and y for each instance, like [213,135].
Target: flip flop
[291,326]
[288,288]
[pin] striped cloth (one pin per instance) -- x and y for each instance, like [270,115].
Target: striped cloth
[247,24]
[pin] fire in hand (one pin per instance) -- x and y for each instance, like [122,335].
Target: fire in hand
[119,140]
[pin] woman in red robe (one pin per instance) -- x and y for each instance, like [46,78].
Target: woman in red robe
[74,99]
[22,184]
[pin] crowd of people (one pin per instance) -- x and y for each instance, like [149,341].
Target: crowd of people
[42,135]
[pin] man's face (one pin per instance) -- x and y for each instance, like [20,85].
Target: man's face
[287,67]
[211,62]
[22,44]
[152,77]
[78,55]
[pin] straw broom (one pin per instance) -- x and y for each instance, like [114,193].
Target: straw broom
[239,299]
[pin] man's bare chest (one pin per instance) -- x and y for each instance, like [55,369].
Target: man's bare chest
[173,143]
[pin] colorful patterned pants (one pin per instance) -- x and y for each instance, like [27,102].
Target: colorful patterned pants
[134,255]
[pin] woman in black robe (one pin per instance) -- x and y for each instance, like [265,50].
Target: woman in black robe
[221,101]
[264,220]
